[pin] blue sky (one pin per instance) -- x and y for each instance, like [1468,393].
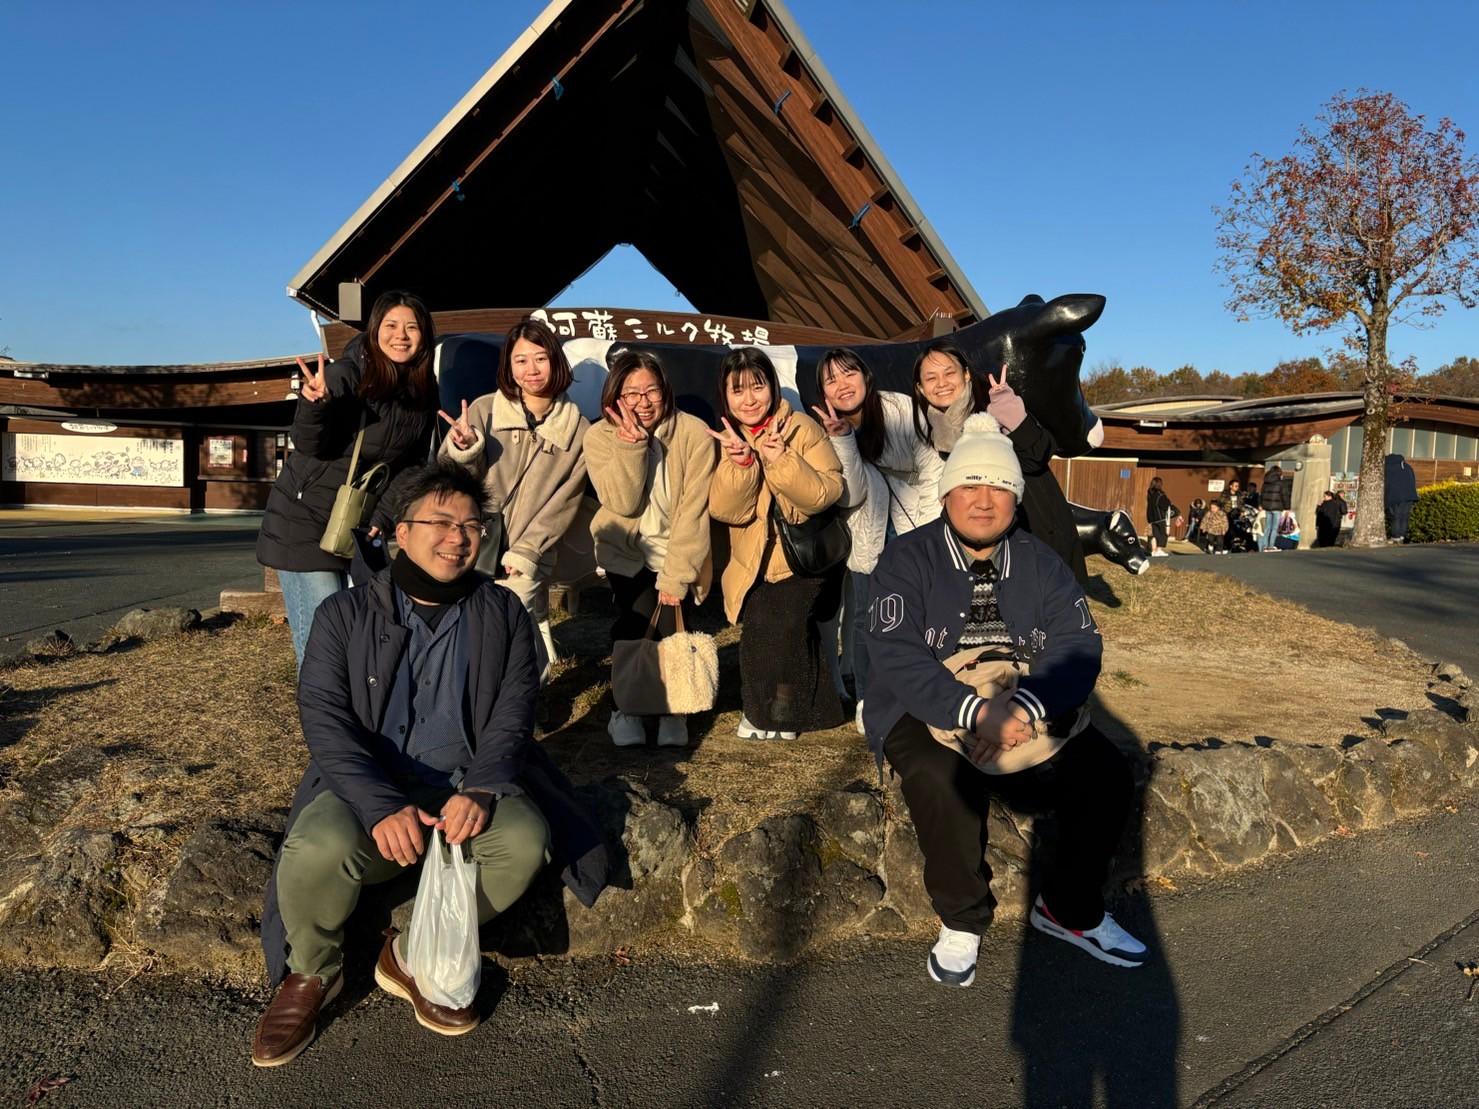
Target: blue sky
[168,167]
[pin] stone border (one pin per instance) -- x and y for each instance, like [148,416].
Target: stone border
[848,863]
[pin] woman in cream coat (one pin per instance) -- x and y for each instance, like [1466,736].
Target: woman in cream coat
[651,466]
[774,455]
[525,441]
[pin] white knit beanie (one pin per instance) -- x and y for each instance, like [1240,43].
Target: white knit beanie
[982,456]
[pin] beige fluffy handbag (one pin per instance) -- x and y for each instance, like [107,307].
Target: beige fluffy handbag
[990,675]
[674,676]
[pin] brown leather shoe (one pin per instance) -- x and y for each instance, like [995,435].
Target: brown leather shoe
[291,1020]
[394,978]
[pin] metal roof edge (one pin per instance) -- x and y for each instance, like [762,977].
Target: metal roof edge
[423,149]
[802,45]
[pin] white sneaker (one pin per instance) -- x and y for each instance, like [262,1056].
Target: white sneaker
[1106,941]
[626,731]
[746,730]
[858,719]
[952,960]
[672,731]
[1159,554]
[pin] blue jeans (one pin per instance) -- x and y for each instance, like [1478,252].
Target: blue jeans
[851,622]
[1270,529]
[302,593]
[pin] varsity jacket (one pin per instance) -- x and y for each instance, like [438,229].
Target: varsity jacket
[921,604]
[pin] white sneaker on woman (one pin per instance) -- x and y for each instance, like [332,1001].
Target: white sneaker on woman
[746,730]
[626,731]
[672,731]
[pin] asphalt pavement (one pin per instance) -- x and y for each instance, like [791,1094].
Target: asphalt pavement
[1323,979]
[1423,594]
[82,572]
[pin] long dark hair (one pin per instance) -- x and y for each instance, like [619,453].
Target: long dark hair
[383,380]
[748,360]
[626,363]
[540,335]
[871,432]
[921,406]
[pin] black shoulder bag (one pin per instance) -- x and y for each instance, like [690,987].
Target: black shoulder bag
[816,546]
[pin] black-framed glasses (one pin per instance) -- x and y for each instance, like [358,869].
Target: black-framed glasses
[444,528]
[652,395]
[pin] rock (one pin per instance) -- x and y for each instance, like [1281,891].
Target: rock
[852,822]
[157,623]
[38,803]
[1224,809]
[903,873]
[1451,672]
[1454,744]
[1362,790]
[60,915]
[1301,811]
[208,912]
[1418,777]
[776,891]
[52,645]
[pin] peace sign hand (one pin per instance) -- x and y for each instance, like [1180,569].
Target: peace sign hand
[460,429]
[834,425]
[733,442]
[313,388]
[1003,402]
[628,430]
[770,445]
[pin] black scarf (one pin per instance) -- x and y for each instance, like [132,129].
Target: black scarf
[417,584]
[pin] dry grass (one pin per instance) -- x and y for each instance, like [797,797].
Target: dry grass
[205,726]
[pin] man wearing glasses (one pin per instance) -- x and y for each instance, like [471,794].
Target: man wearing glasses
[417,698]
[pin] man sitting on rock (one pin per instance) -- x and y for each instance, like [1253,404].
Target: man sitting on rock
[968,595]
[417,698]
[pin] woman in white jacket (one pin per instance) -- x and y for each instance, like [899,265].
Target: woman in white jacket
[890,478]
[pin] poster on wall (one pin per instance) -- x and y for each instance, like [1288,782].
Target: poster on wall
[91,460]
[220,451]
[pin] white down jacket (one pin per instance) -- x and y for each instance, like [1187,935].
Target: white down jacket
[902,487]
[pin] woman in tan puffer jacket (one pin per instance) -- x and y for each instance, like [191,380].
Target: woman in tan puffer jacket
[772,454]
[651,465]
[525,441]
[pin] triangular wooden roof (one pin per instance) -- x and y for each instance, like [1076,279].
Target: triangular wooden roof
[706,133]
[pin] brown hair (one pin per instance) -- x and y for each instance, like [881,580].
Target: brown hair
[541,336]
[921,406]
[383,380]
[748,360]
[871,432]
[627,362]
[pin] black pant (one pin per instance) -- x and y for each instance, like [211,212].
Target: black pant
[635,598]
[1397,517]
[1158,534]
[1087,785]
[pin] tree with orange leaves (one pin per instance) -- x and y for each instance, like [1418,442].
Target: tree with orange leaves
[1372,220]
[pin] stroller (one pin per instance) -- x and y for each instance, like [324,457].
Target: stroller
[1241,529]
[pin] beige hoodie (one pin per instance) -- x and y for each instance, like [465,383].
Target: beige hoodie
[534,477]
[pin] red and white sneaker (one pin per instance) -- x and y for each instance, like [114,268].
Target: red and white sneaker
[1107,941]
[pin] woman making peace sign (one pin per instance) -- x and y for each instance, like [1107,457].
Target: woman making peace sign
[651,466]
[773,455]
[524,440]
[383,380]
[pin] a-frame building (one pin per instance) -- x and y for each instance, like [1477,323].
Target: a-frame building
[706,133]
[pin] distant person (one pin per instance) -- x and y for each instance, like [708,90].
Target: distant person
[651,465]
[1273,502]
[1214,529]
[417,705]
[525,441]
[1400,495]
[383,384]
[973,589]
[1159,511]
[1232,497]
[1328,518]
[1194,516]
[774,462]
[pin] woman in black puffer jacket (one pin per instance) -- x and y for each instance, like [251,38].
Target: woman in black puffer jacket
[386,377]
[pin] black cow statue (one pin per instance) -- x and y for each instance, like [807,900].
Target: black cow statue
[1040,342]
[1111,534]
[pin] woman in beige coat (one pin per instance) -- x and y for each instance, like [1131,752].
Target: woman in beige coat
[525,441]
[774,455]
[651,466]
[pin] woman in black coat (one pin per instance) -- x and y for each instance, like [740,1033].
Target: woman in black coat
[1327,519]
[384,377]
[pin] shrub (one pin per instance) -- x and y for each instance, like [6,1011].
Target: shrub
[1448,510]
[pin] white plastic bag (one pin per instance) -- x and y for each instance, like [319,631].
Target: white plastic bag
[442,945]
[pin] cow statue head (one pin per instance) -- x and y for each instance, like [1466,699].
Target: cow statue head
[1111,534]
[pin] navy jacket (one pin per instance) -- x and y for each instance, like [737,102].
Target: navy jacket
[349,669]
[921,602]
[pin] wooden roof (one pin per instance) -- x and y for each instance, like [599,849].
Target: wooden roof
[706,133]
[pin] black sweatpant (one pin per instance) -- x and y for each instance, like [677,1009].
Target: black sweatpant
[1087,785]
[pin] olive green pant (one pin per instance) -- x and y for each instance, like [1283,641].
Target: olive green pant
[327,859]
